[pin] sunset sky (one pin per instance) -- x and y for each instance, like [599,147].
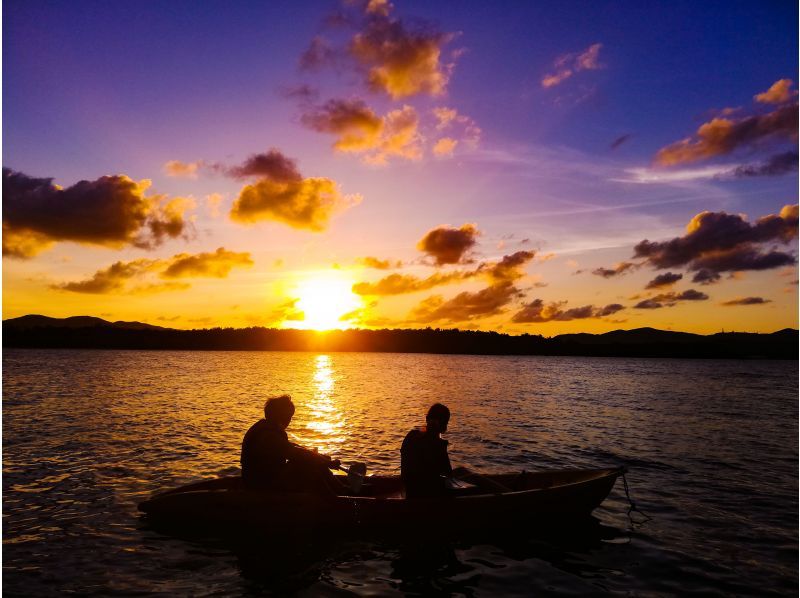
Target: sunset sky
[540,167]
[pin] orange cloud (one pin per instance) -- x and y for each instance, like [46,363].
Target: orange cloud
[111,211]
[448,245]
[779,92]
[115,278]
[401,62]
[176,168]
[398,284]
[445,146]
[305,204]
[360,130]
[213,265]
[569,64]
[378,264]
[721,136]
[467,306]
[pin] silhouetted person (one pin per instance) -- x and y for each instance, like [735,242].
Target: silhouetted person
[271,462]
[424,463]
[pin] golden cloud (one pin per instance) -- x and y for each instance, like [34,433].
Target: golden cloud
[378,264]
[111,211]
[305,204]
[115,278]
[206,265]
[401,62]
[721,136]
[779,92]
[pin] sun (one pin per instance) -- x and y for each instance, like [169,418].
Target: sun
[324,300]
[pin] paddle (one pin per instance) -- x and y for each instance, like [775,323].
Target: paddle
[355,476]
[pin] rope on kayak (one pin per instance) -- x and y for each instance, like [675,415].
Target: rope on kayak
[633,506]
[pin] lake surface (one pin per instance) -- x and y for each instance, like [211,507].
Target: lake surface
[711,446]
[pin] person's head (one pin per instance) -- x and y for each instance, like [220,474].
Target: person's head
[279,410]
[437,418]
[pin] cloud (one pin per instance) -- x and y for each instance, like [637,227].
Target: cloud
[272,164]
[461,129]
[448,245]
[398,284]
[213,202]
[467,306]
[619,141]
[671,299]
[206,265]
[721,136]
[304,204]
[400,61]
[360,130]
[356,124]
[111,211]
[509,268]
[538,311]
[288,311]
[746,301]
[176,168]
[719,242]
[319,54]
[706,277]
[779,93]
[569,64]
[115,278]
[378,264]
[774,166]
[664,280]
[619,269]
[445,146]
[506,270]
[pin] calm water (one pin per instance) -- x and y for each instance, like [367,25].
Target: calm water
[712,447]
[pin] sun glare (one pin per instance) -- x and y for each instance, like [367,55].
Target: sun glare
[324,300]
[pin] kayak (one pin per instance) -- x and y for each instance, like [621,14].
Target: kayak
[547,496]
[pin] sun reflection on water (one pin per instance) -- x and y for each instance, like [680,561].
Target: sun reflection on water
[324,421]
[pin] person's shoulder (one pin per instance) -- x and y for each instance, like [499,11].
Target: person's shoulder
[413,434]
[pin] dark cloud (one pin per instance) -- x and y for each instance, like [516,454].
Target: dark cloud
[467,306]
[319,54]
[621,268]
[111,211]
[774,166]
[706,277]
[448,245]
[619,141]
[538,311]
[719,242]
[721,136]
[509,268]
[664,280]
[747,301]
[670,299]
[272,164]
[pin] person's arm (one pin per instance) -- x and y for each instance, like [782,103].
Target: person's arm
[301,453]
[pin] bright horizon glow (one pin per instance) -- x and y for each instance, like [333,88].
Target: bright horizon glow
[324,299]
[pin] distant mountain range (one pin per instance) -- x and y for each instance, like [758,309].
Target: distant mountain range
[86,332]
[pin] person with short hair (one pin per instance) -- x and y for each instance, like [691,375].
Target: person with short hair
[424,463]
[270,462]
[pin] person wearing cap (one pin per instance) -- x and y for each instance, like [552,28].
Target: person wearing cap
[424,462]
[270,462]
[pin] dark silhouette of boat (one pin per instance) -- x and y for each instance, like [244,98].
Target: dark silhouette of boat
[549,496]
